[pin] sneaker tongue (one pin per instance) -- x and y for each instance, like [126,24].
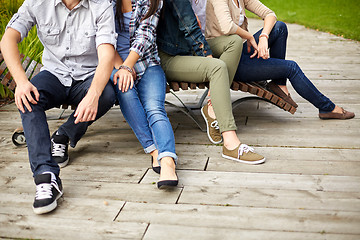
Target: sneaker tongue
[42,178]
[62,139]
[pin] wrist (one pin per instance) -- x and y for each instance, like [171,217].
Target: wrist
[130,70]
[264,35]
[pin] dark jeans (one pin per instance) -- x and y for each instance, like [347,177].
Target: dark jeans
[278,69]
[52,94]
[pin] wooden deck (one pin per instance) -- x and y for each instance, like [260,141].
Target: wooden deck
[309,187]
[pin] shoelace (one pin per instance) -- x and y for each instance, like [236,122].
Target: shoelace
[44,190]
[244,149]
[215,125]
[58,149]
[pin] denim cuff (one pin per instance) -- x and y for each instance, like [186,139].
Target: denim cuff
[150,148]
[167,154]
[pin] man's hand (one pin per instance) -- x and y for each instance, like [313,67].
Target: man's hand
[23,95]
[87,108]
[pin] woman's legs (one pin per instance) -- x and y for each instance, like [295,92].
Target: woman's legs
[134,114]
[152,90]
[258,69]
[201,69]
[227,49]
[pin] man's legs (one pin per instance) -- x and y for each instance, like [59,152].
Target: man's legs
[44,167]
[36,130]
[77,92]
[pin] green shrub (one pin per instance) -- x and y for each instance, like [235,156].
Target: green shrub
[30,46]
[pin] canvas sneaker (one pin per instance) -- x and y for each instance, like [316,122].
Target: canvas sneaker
[48,191]
[59,149]
[212,127]
[243,153]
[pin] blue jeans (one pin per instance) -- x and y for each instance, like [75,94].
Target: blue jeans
[143,107]
[52,94]
[278,69]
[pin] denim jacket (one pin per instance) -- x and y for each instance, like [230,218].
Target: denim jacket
[178,31]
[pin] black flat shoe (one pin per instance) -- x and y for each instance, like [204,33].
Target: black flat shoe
[167,184]
[156,169]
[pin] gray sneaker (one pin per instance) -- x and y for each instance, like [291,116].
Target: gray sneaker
[243,153]
[212,127]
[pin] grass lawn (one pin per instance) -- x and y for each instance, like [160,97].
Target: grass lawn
[339,17]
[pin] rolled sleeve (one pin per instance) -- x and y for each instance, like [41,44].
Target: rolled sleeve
[257,7]
[106,28]
[23,20]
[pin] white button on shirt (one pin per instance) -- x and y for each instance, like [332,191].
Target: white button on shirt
[70,38]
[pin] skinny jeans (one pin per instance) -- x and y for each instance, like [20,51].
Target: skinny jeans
[219,71]
[143,107]
[279,70]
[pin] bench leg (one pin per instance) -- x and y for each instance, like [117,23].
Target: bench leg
[188,110]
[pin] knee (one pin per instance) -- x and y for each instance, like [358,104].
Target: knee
[108,96]
[281,27]
[293,67]
[236,42]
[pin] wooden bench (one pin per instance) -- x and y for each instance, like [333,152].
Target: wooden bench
[259,91]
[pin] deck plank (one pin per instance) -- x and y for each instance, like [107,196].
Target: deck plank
[309,187]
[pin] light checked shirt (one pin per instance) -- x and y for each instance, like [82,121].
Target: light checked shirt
[70,38]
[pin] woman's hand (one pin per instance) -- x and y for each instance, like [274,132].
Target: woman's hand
[125,79]
[252,43]
[263,48]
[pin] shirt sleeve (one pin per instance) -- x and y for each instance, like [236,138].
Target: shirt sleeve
[106,27]
[258,8]
[145,33]
[23,20]
[223,16]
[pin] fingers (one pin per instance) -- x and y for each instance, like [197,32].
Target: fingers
[248,47]
[125,81]
[115,78]
[254,54]
[19,104]
[84,115]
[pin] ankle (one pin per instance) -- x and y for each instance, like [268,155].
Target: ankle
[211,112]
[154,154]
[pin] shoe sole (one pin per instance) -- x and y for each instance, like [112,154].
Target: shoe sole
[207,129]
[242,161]
[63,164]
[48,208]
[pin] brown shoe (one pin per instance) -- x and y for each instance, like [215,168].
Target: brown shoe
[212,127]
[277,90]
[331,115]
[243,153]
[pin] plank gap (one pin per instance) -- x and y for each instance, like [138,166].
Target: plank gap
[147,227]
[142,177]
[177,200]
[206,164]
[119,211]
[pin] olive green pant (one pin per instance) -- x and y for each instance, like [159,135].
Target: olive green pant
[196,69]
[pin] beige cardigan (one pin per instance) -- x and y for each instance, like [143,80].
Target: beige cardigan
[222,16]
